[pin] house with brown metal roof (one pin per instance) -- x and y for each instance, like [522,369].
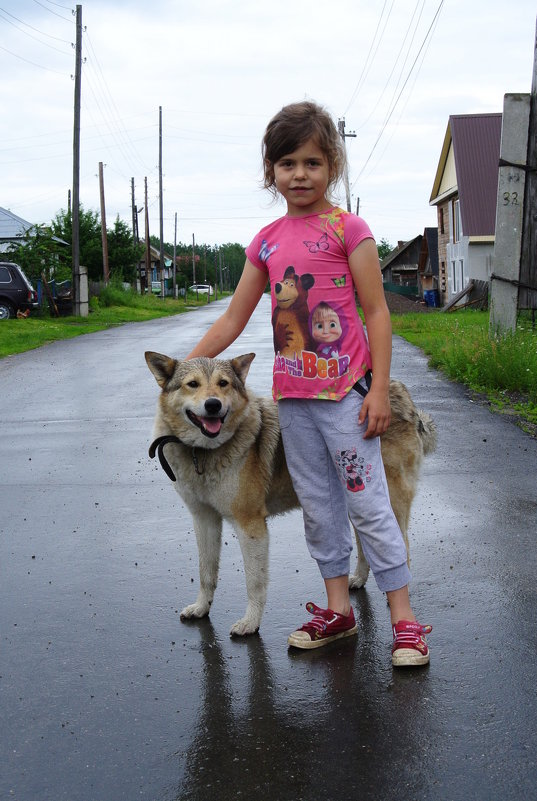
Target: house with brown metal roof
[465,192]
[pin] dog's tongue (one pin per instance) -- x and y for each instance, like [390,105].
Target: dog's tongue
[212,424]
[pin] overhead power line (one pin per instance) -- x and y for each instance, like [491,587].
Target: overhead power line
[33,63]
[394,105]
[45,44]
[43,33]
[50,11]
[367,63]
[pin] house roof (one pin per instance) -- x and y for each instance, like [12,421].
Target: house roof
[397,252]
[14,230]
[11,226]
[475,140]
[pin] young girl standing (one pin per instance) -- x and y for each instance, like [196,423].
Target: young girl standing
[333,405]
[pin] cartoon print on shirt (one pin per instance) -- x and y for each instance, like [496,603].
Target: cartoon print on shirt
[321,244]
[291,315]
[353,470]
[266,251]
[328,327]
[335,220]
[340,281]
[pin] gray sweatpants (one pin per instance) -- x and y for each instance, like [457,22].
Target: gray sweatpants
[338,475]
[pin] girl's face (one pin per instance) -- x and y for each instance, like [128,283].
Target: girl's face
[302,177]
[326,327]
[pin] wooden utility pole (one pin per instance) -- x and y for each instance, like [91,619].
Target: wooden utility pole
[527,294]
[147,246]
[75,220]
[175,259]
[352,135]
[133,212]
[106,270]
[160,201]
[194,264]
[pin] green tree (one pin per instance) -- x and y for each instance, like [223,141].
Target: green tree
[123,253]
[384,249]
[91,249]
[40,253]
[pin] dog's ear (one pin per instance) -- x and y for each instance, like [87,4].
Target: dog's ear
[161,366]
[241,365]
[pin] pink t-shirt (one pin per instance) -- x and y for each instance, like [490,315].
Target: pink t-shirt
[320,346]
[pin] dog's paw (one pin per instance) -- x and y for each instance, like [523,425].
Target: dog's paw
[243,627]
[195,610]
[357,581]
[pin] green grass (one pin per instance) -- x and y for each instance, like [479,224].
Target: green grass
[504,369]
[114,307]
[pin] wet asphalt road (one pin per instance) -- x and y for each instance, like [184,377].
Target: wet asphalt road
[107,696]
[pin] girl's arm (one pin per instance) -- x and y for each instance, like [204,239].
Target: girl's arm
[227,328]
[365,270]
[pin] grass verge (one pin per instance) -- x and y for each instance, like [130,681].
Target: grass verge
[501,371]
[114,307]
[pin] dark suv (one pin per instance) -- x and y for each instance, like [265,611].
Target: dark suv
[16,292]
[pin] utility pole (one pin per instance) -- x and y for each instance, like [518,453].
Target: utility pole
[175,260]
[147,246]
[75,220]
[527,293]
[160,201]
[133,212]
[352,135]
[106,270]
[194,264]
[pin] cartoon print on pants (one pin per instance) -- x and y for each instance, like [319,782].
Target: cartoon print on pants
[353,470]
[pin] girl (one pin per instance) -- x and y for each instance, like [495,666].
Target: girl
[321,415]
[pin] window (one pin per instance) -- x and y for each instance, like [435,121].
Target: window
[454,283]
[456,228]
[441,219]
[5,275]
[457,276]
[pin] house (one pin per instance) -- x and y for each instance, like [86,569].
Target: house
[13,230]
[166,274]
[400,267]
[428,278]
[464,192]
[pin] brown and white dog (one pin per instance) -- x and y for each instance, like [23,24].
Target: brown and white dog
[222,447]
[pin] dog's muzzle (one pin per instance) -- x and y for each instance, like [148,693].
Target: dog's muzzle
[211,423]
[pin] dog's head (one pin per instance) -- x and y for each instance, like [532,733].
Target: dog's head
[202,400]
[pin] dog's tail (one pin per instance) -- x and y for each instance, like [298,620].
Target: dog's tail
[427,431]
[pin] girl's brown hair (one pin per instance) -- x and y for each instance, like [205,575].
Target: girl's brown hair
[294,125]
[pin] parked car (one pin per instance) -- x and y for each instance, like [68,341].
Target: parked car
[202,289]
[16,292]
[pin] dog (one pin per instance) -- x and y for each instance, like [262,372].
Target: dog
[221,445]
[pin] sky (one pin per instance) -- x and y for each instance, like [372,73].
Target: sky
[394,70]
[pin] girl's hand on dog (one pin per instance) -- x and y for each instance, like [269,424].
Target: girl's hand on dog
[376,410]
